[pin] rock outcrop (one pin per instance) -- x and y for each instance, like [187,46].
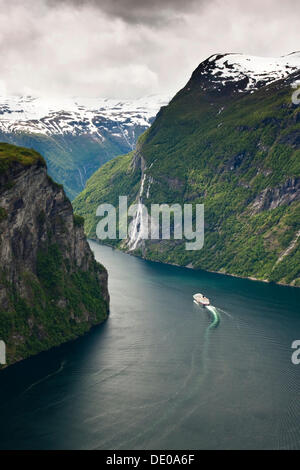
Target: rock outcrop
[270,198]
[51,288]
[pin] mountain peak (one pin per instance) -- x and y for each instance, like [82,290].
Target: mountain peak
[241,72]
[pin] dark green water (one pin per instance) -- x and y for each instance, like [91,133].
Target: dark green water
[155,376]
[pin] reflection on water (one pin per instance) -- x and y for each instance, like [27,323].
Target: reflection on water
[162,372]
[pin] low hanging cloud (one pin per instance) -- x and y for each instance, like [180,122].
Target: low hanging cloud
[131,48]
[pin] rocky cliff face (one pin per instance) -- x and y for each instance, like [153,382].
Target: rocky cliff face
[285,194]
[51,288]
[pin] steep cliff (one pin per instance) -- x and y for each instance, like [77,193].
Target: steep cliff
[51,288]
[229,140]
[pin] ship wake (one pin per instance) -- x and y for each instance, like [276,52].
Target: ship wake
[215,315]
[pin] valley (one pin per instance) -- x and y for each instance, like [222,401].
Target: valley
[76,135]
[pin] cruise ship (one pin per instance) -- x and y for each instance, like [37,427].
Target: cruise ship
[200,299]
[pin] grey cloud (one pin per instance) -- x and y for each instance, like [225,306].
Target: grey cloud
[130,48]
[153,12]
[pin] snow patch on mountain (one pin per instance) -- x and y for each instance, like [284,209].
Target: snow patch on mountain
[77,115]
[250,72]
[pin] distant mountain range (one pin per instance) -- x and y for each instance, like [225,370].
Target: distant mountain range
[76,136]
[230,139]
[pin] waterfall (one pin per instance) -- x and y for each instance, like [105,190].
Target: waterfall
[150,181]
[135,236]
[81,179]
[139,225]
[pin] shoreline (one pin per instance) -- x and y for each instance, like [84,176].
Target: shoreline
[250,278]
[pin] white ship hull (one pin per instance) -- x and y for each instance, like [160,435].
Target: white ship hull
[201,300]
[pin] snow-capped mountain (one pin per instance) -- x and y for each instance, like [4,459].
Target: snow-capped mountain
[76,135]
[78,116]
[230,140]
[244,73]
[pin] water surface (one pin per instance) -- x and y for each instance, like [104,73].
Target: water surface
[159,374]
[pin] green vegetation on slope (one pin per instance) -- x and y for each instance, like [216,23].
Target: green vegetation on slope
[71,159]
[62,305]
[51,288]
[230,153]
[10,154]
[101,188]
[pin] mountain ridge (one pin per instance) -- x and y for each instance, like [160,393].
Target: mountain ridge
[76,136]
[232,148]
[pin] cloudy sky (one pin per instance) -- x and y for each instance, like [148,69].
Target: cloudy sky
[132,48]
